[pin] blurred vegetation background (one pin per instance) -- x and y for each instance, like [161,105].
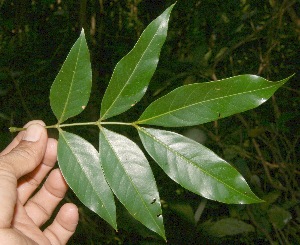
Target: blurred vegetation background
[207,40]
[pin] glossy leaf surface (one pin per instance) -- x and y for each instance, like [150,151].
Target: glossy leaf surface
[79,163]
[204,102]
[133,73]
[129,175]
[71,88]
[195,167]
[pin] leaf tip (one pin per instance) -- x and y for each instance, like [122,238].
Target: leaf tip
[172,6]
[115,227]
[82,32]
[288,78]
[283,81]
[252,199]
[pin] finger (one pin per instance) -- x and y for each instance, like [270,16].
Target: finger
[41,206]
[28,154]
[8,197]
[64,225]
[28,183]
[19,137]
[22,224]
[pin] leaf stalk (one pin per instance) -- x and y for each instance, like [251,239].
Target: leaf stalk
[57,126]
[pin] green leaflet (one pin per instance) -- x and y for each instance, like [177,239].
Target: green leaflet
[133,73]
[129,175]
[71,88]
[195,167]
[204,102]
[79,163]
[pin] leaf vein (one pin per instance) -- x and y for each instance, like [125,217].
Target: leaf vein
[83,171]
[131,181]
[71,85]
[132,73]
[189,161]
[201,102]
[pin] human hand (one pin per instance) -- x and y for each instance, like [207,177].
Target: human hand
[23,166]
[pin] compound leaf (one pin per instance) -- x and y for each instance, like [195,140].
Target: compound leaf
[204,102]
[195,167]
[133,73]
[79,163]
[129,175]
[71,88]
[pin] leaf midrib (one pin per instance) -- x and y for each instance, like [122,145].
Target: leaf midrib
[131,181]
[62,133]
[189,161]
[109,108]
[71,85]
[200,102]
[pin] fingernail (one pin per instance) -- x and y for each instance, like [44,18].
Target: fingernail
[33,133]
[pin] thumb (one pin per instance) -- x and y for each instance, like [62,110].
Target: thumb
[22,159]
[28,154]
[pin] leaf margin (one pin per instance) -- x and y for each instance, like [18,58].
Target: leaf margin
[55,87]
[112,215]
[164,121]
[103,112]
[161,230]
[255,200]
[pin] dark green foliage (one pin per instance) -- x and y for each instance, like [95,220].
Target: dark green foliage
[123,164]
[207,40]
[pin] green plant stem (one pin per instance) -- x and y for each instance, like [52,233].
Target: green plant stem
[15,129]
[116,123]
[71,125]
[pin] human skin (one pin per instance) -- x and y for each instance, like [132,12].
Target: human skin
[24,163]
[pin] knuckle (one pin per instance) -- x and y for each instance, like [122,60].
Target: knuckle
[7,173]
[29,179]
[37,206]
